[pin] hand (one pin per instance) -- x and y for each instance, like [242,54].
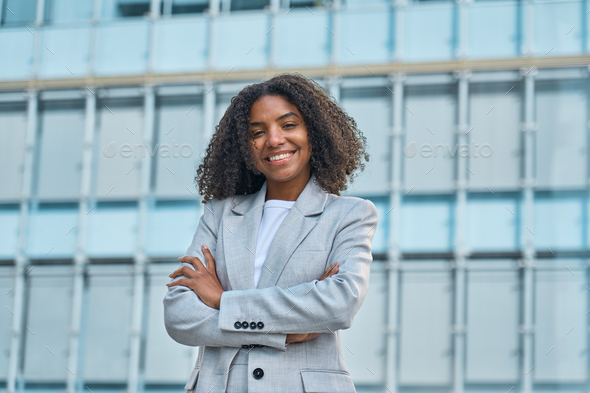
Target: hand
[297,338]
[203,280]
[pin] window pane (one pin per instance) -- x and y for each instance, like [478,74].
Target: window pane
[6,301]
[561,145]
[68,10]
[425,339]
[492,321]
[371,109]
[108,320]
[179,139]
[363,353]
[166,360]
[60,140]
[240,5]
[48,318]
[561,302]
[13,131]
[19,12]
[494,140]
[120,130]
[429,139]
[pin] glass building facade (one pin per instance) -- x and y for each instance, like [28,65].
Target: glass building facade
[476,115]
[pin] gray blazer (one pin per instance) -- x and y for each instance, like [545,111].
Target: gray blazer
[252,323]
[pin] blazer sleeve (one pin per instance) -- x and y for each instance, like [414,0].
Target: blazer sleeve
[191,322]
[317,306]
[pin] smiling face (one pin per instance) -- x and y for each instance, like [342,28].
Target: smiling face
[277,131]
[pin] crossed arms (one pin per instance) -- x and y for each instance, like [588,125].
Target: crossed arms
[320,306]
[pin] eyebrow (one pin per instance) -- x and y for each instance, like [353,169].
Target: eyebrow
[259,123]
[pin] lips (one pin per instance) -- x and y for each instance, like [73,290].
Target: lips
[275,155]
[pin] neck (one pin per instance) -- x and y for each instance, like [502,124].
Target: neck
[288,190]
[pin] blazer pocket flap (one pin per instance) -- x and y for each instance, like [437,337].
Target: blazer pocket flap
[192,381]
[327,381]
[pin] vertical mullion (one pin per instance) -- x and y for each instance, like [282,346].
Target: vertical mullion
[393,249]
[22,259]
[528,262]
[460,252]
[140,259]
[81,259]
[398,37]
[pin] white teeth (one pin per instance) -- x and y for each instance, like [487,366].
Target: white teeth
[280,157]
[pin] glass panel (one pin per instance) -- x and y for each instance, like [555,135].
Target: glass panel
[166,360]
[430,145]
[122,48]
[68,10]
[62,62]
[241,5]
[120,149]
[427,225]
[13,132]
[48,318]
[171,228]
[560,20]
[19,12]
[494,137]
[561,336]
[365,36]
[20,43]
[558,223]
[561,141]
[371,109]
[494,30]
[492,223]
[492,354]
[179,138]
[429,32]
[53,231]
[112,230]
[9,222]
[175,46]
[363,343]
[7,303]
[107,327]
[425,339]
[310,46]
[241,41]
[60,141]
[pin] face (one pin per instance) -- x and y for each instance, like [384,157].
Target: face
[277,127]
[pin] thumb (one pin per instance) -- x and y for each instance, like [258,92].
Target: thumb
[210,260]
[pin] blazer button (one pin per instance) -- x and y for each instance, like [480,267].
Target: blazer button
[245,325]
[252,325]
[260,325]
[238,325]
[258,373]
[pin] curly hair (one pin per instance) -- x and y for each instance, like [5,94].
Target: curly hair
[337,145]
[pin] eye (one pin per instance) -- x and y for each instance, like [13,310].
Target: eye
[256,133]
[290,124]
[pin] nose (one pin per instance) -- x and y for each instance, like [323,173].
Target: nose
[275,136]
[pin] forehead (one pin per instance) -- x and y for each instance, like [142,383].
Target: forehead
[269,106]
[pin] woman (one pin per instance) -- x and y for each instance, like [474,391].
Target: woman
[259,289]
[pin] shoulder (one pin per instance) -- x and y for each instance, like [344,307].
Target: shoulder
[351,206]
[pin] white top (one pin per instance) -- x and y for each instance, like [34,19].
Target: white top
[275,211]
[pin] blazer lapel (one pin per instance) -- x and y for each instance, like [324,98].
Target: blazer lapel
[296,226]
[240,234]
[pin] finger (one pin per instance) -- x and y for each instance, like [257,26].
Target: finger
[181,282]
[196,262]
[209,258]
